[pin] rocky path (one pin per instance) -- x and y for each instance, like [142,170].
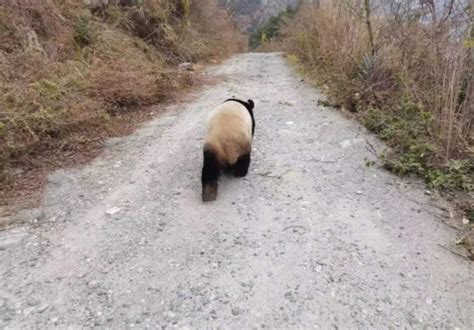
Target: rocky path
[310,238]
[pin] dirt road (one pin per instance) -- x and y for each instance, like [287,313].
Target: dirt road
[310,238]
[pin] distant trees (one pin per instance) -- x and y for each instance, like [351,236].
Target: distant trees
[271,29]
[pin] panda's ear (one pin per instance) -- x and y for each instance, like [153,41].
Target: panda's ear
[250,102]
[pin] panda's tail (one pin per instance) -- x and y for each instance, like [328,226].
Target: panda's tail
[250,102]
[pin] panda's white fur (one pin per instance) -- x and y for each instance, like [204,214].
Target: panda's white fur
[228,143]
[229,132]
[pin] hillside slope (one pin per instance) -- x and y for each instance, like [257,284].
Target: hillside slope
[73,72]
[406,74]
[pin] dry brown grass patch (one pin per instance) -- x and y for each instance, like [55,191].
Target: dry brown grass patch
[120,84]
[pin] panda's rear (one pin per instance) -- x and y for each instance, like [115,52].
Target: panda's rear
[227,145]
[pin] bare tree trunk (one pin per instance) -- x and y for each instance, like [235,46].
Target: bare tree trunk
[469,74]
[369,26]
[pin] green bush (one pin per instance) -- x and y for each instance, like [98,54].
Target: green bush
[271,29]
[84,35]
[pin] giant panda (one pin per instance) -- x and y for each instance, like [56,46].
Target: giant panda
[227,144]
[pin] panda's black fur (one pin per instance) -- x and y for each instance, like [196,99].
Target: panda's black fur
[227,145]
[249,105]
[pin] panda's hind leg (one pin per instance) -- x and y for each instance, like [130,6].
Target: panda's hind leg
[241,167]
[210,175]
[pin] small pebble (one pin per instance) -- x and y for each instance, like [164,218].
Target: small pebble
[42,308]
[112,210]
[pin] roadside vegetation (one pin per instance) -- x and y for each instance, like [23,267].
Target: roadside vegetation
[73,72]
[405,69]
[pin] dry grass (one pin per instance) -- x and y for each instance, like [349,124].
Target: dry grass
[218,29]
[121,84]
[68,73]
